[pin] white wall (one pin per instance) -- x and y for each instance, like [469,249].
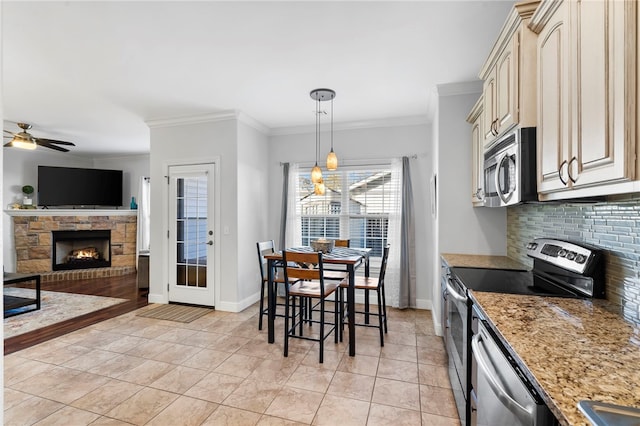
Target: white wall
[253,202]
[374,143]
[195,141]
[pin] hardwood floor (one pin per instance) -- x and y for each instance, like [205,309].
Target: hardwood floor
[124,287]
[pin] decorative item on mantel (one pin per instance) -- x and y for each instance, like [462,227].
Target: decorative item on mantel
[27,190]
[133,205]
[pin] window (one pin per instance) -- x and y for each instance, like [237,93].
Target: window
[357,204]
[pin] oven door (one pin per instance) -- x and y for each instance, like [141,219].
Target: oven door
[456,341]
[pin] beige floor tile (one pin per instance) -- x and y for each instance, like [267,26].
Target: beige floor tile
[68,416]
[350,385]
[295,404]
[434,375]
[206,359]
[434,420]
[311,378]
[229,416]
[384,415]
[436,400]
[123,344]
[399,352]
[26,370]
[147,372]
[369,346]
[142,406]
[73,387]
[331,359]
[40,383]
[106,421]
[184,411]
[430,341]
[432,356]
[151,332]
[238,365]
[97,339]
[30,411]
[62,354]
[176,353]
[253,396]
[350,412]
[259,348]
[176,335]
[202,339]
[398,370]
[228,343]
[214,387]
[276,421]
[147,348]
[179,379]
[276,370]
[90,360]
[106,397]
[359,364]
[14,397]
[117,365]
[397,394]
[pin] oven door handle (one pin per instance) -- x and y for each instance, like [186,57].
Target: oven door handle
[525,414]
[505,198]
[457,296]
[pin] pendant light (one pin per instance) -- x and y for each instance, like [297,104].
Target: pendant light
[321,95]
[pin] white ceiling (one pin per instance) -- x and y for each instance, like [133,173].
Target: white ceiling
[94,72]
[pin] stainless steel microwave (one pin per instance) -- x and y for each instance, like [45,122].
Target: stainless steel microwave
[510,169]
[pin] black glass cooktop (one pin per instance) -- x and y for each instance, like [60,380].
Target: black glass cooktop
[509,281]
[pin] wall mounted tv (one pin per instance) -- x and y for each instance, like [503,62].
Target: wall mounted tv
[69,186]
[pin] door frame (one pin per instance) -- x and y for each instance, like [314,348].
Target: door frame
[166,199]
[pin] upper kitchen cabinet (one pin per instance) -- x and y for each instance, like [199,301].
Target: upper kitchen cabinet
[509,90]
[477,154]
[587,97]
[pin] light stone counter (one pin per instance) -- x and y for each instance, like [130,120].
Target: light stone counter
[573,349]
[482,261]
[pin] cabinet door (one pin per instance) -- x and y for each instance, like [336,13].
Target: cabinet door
[477,163]
[507,86]
[552,132]
[489,109]
[601,96]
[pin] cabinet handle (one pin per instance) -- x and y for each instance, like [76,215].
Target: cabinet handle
[569,169]
[494,127]
[564,182]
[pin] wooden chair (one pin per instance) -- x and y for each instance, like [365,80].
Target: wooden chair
[264,248]
[305,282]
[370,284]
[341,243]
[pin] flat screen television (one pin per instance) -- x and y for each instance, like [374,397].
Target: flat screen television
[70,186]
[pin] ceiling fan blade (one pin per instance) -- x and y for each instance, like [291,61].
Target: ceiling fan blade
[7,145]
[55,141]
[48,145]
[11,133]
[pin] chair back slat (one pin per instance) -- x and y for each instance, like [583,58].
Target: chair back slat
[264,248]
[305,266]
[383,264]
[342,243]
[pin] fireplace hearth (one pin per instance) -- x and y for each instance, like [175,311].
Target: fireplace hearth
[80,249]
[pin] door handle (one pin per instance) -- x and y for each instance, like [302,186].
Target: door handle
[209,243]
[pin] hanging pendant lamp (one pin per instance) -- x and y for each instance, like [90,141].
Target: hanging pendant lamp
[321,95]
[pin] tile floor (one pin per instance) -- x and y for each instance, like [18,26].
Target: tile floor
[220,370]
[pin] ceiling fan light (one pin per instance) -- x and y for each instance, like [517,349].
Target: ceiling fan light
[21,143]
[332,161]
[316,174]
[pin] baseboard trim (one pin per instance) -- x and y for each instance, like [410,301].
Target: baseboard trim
[157,298]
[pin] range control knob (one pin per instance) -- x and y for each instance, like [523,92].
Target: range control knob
[581,258]
[562,252]
[571,255]
[532,246]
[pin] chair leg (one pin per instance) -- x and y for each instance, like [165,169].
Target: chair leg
[336,315]
[286,327]
[366,306]
[384,308]
[321,330]
[261,306]
[380,314]
[341,290]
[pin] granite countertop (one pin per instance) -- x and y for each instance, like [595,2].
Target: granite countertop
[482,261]
[573,349]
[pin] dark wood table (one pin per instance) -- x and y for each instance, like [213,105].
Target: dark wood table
[348,259]
[14,302]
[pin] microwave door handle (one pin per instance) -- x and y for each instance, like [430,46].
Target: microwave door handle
[525,414]
[505,198]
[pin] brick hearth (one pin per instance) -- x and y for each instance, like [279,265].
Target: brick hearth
[33,244]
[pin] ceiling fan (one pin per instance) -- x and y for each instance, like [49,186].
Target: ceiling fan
[25,140]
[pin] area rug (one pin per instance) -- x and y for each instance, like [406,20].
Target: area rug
[55,307]
[178,313]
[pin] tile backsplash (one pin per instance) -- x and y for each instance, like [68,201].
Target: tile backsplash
[613,225]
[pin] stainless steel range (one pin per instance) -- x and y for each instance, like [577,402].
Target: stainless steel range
[560,269]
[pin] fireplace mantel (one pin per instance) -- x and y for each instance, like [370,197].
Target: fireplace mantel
[71,212]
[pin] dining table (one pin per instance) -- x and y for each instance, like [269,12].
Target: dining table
[343,258]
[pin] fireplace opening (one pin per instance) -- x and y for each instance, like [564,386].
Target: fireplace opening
[81,249]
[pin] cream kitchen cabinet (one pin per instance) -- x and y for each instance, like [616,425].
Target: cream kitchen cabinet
[477,154]
[587,97]
[509,87]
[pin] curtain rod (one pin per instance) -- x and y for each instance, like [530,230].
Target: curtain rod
[370,162]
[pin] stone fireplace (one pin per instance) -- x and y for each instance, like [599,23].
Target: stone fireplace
[35,231]
[80,249]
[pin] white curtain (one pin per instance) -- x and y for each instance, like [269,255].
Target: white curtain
[144,219]
[392,278]
[293,237]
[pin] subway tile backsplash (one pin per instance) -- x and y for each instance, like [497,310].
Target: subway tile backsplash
[613,225]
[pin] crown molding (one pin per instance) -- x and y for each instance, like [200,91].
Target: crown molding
[417,120]
[193,119]
[461,88]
